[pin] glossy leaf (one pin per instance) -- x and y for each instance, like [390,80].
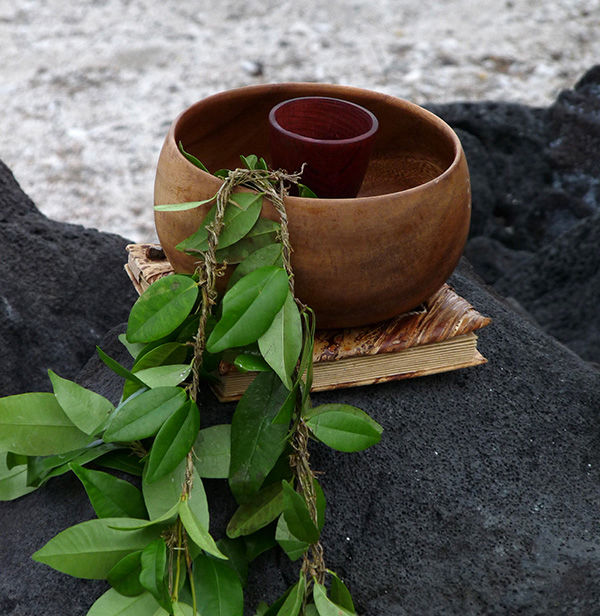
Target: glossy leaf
[183,609]
[161,355]
[86,409]
[128,524]
[118,369]
[256,442]
[111,603]
[34,424]
[197,532]
[212,452]
[343,427]
[297,516]
[142,416]
[124,576]
[235,550]
[110,496]
[324,605]
[238,219]
[195,161]
[262,234]
[153,572]
[305,192]
[249,308]
[294,601]
[305,370]
[246,362]
[259,542]
[163,494]
[182,207]
[173,441]
[164,376]
[291,545]
[267,255]
[245,200]
[91,549]
[339,594]
[133,348]
[13,481]
[42,468]
[281,344]
[218,588]
[125,461]
[161,308]
[256,514]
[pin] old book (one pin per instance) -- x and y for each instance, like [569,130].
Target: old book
[437,337]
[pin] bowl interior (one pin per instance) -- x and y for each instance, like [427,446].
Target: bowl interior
[412,146]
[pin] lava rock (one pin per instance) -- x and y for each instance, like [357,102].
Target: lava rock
[63,287]
[481,497]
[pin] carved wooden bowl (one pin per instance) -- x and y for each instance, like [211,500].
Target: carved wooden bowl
[356,261]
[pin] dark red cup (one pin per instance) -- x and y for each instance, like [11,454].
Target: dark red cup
[332,136]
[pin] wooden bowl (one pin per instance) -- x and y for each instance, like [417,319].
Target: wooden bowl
[358,260]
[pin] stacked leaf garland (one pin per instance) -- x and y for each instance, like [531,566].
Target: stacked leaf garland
[153,545]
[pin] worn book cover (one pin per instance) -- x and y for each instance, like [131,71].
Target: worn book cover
[436,337]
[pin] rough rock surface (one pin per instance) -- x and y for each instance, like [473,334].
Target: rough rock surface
[482,497]
[59,283]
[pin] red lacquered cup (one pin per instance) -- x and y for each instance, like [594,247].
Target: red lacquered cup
[332,136]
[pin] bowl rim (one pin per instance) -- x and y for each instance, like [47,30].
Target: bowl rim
[443,126]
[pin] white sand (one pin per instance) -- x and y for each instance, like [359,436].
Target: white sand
[89,89]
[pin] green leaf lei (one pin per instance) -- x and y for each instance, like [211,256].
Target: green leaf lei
[153,545]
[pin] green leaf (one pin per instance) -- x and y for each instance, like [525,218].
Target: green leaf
[259,542]
[13,481]
[112,603]
[124,576]
[247,362]
[267,255]
[256,442]
[311,610]
[182,207]
[245,200]
[154,568]
[237,221]
[127,462]
[165,493]
[110,496]
[118,369]
[218,588]
[197,532]
[195,161]
[340,595]
[305,192]
[162,355]
[291,545]
[343,427]
[297,516]
[212,452]
[295,599]
[173,441]
[305,371]
[86,409]
[41,469]
[162,307]
[91,549]
[34,424]
[183,609]
[250,161]
[235,550]
[281,344]
[262,234]
[249,308]
[325,606]
[127,525]
[164,376]
[256,514]
[142,416]
[133,348]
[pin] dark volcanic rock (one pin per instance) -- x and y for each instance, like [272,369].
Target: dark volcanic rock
[59,283]
[482,497]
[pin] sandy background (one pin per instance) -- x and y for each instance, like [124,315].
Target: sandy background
[88,89]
